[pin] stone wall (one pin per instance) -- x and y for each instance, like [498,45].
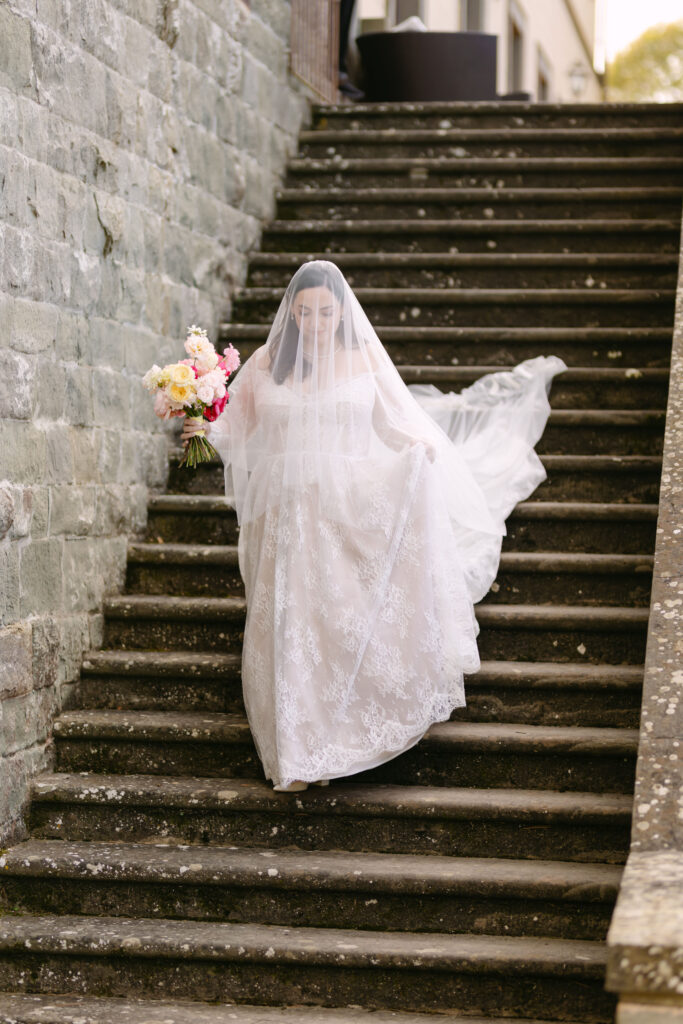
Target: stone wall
[645,940]
[141,142]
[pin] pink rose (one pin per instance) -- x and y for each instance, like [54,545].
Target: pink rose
[212,412]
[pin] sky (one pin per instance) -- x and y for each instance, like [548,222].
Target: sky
[624,20]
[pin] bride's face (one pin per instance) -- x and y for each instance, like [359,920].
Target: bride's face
[317,312]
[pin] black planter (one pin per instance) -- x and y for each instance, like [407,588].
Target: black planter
[426,66]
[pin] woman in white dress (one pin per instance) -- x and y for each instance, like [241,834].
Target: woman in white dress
[371,519]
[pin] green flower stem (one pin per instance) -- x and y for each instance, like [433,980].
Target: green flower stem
[199,449]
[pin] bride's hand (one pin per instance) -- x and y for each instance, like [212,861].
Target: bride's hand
[430,450]
[190,428]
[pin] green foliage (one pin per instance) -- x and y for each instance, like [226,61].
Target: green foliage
[650,69]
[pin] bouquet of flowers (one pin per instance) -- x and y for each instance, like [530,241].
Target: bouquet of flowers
[195,387]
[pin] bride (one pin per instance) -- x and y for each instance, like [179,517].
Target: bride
[371,520]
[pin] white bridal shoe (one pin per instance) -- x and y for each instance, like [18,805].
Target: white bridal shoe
[296,787]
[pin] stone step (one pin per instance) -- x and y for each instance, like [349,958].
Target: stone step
[502,203]
[465,754]
[486,270]
[600,478]
[535,693]
[602,635]
[532,526]
[211,961]
[619,347]
[484,172]
[663,140]
[431,820]
[486,307]
[547,633]
[580,578]
[441,114]
[525,577]
[618,479]
[630,141]
[469,235]
[392,892]
[581,526]
[23,1008]
[594,387]
[603,432]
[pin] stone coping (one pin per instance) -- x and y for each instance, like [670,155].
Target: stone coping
[645,939]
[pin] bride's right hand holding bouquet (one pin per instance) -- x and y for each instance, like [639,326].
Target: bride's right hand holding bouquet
[195,388]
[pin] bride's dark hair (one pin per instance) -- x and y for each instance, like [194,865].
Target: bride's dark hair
[283,349]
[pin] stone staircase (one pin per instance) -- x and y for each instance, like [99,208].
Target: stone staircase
[163,880]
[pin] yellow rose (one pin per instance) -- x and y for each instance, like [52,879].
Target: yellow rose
[178,393]
[181,374]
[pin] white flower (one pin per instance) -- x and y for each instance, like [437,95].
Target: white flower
[216,380]
[152,379]
[207,359]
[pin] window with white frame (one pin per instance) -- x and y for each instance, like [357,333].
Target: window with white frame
[515,47]
[471,15]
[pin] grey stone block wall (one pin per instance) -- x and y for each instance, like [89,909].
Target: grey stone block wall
[141,142]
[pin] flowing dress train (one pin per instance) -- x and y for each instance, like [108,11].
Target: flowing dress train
[358,637]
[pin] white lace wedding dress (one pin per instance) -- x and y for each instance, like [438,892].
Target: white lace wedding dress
[357,637]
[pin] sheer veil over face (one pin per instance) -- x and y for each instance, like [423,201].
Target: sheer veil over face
[322,405]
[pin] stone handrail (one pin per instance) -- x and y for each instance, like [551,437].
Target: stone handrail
[645,939]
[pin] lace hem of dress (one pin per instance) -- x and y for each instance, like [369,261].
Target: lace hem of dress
[332,763]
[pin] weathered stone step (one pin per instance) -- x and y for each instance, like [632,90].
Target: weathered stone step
[494,114]
[593,387]
[486,172]
[548,693]
[529,577]
[489,269]
[181,517]
[211,960]
[142,621]
[664,141]
[486,307]
[601,478]
[511,691]
[581,526]
[580,578]
[477,203]
[603,432]
[549,633]
[22,1008]
[533,525]
[623,347]
[421,235]
[618,479]
[154,680]
[393,892]
[536,824]
[586,478]
[465,754]
[183,569]
[602,635]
